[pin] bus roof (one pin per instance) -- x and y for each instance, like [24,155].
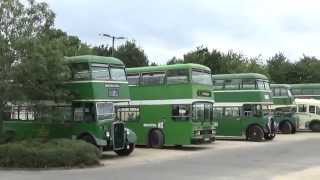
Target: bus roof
[93,59]
[280,85]
[307,101]
[240,76]
[167,67]
[305,86]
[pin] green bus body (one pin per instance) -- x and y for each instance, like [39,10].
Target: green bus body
[97,84]
[284,108]
[306,91]
[241,104]
[164,98]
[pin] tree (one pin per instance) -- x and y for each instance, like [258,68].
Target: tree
[279,68]
[174,60]
[102,50]
[31,53]
[131,55]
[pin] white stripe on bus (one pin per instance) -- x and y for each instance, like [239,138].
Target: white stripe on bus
[165,102]
[248,90]
[95,81]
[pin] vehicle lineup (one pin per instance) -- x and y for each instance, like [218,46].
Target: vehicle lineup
[116,108]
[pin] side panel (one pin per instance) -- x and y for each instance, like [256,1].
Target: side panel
[159,116]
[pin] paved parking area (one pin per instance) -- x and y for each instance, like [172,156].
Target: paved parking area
[287,157]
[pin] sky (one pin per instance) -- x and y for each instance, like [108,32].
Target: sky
[168,28]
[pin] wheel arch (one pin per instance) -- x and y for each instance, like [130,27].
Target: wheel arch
[153,129]
[250,125]
[83,134]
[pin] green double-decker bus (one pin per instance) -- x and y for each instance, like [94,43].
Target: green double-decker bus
[96,84]
[306,91]
[242,106]
[284,108]
[171,105]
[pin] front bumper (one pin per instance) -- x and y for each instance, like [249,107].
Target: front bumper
[203,136]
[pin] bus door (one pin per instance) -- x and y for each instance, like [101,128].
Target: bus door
[303,116]
[230,123]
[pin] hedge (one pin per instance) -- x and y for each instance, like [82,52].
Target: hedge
[53,153]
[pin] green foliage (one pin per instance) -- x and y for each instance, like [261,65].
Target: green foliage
[222,63]
[54,153]
[129,53]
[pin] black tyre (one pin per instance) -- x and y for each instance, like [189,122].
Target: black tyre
[255,133]
[156,139]
[270,136]
[286,127]
[315,126]
[126,151]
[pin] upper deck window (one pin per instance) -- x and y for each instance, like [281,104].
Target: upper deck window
[266,85]
[80,71]
[260,84]
[232,84]
[218,84]
[118,74]
[248,84]
[177,76]
[153,78]
[296,91]
[133,79]
[201,77]
[100,72]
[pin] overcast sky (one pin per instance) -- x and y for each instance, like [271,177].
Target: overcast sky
[167,28]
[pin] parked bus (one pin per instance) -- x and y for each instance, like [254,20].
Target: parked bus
[171,105]
[305,91]
[284,108]
[97,83]
[308,114]
[242,106]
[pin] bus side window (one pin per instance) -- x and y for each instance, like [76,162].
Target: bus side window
[217,112]
[133,79]
[312,109]
[177,76]
[218,84]
[248,84]
[247,110]
[153,78]
[181,111]
[128,113]
[318,110]
[302,108]
[232,84]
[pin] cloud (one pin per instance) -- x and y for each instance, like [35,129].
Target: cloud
[170,28]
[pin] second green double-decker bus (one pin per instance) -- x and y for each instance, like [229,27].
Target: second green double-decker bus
[284,108]
[171,105]
[242,106]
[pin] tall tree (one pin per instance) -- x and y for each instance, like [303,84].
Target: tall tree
[279,68]
[131,55]
[31,53]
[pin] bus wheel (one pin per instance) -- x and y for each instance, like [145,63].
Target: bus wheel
[315,126]
[126,151]
[270,136]
[156,139]
[286,128]
[255,133]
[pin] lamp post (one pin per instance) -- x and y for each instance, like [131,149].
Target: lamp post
[113,39]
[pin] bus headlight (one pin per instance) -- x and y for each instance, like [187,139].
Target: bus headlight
[107,134]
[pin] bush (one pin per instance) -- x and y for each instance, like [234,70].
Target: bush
[54,153]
